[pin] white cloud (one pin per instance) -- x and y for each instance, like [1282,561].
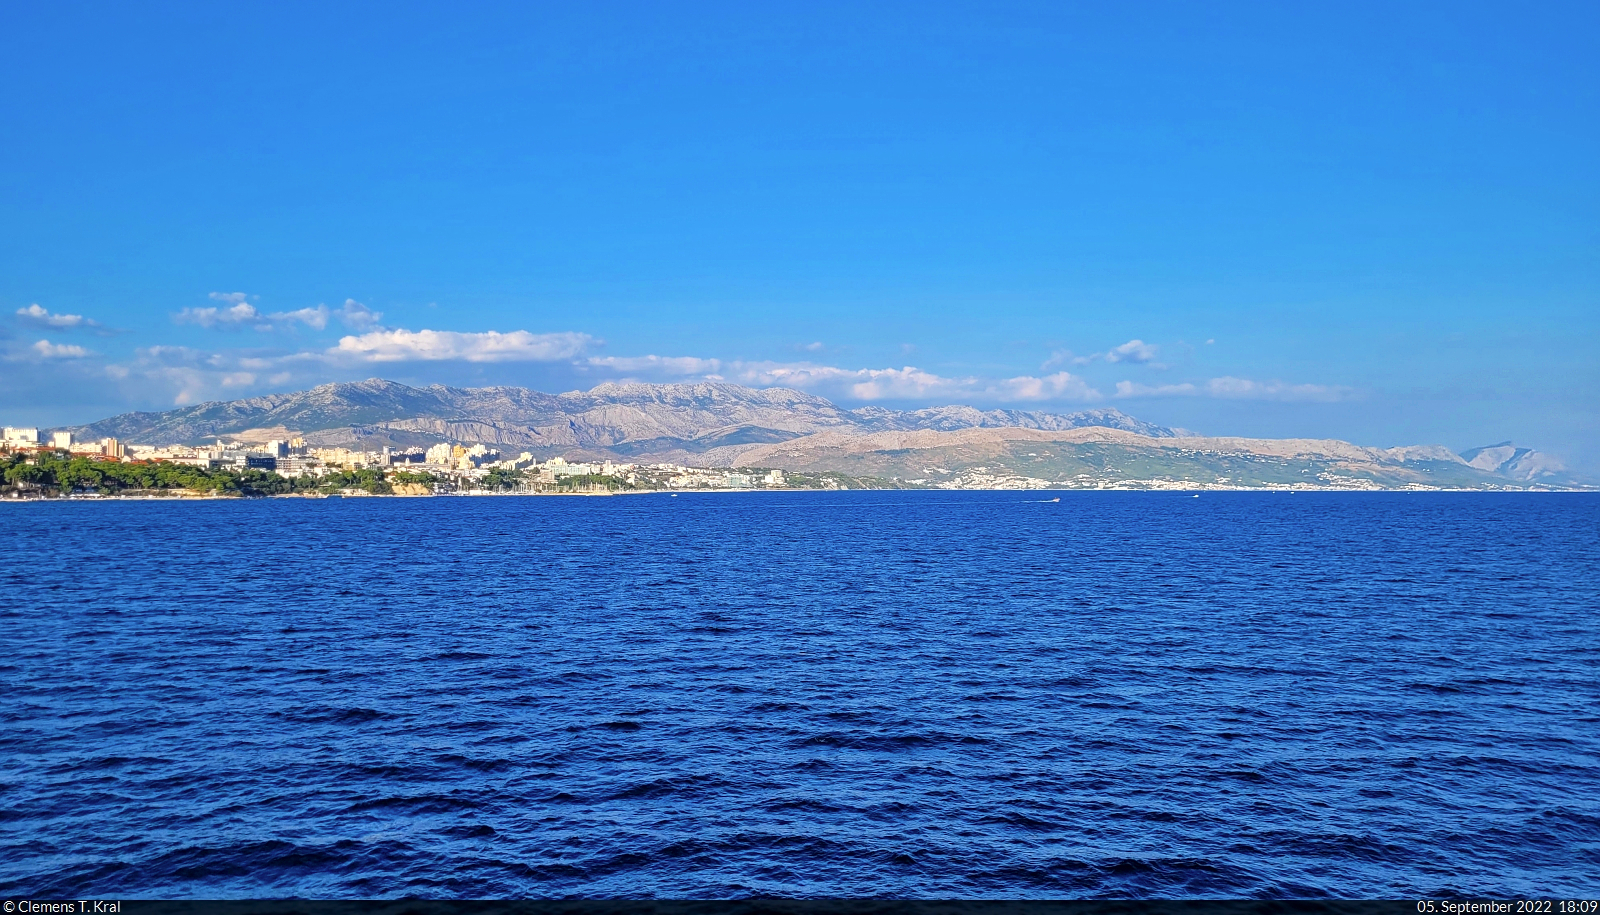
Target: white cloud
[1132,351]
[1133,389]
[435,345]
[351,314]
[664,365]
[814,347]
[314,318]
[1136,351]
[189,376]
[1245,389]
[237,311]
[905,383]
[193,374]
[35,314]
[1231,388]
[48,350]
[1063,357]
[911,383]
[867,384]
[357,316]
[1059,386]
[232,316]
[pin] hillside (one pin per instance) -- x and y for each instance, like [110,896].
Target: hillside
[1092,457]
[725,425]
[614,420]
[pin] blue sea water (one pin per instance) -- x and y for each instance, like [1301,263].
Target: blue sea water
[916,694]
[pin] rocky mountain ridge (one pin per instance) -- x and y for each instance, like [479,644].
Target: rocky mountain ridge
[634,418]
[726,425]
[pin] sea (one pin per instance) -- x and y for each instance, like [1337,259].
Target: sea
[803,694]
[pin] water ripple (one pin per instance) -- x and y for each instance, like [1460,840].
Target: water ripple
[810,694]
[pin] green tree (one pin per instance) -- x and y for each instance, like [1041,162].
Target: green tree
[501,479]
[29,474]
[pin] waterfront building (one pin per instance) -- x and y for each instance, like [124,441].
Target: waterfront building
[342,457]
[560,468]
[295,465]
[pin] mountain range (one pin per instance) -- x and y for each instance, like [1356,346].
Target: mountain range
[729,425]
[612,420]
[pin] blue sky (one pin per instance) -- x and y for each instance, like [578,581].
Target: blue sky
[1369,222]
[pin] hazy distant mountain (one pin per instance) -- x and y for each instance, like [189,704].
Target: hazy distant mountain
[614,419]
[1094,456]
[1507,460]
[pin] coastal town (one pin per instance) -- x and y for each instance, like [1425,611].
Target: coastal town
[444,468]
[55,464]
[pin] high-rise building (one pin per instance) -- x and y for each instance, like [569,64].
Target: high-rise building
[62,440]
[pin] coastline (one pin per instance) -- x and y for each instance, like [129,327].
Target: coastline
[191,496]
